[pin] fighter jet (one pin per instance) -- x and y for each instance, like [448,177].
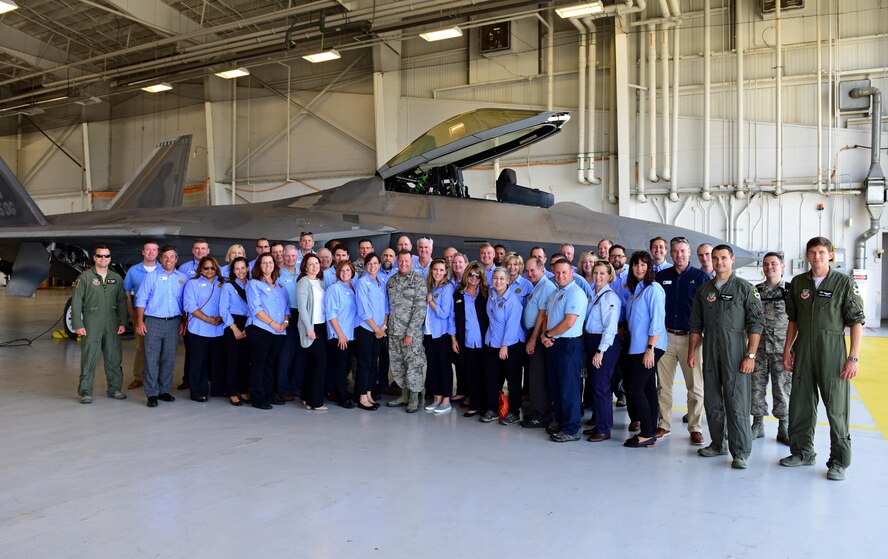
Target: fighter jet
[419,192]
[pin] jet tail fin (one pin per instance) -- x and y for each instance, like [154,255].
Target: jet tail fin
[16,206]
[158,182]
[30,269]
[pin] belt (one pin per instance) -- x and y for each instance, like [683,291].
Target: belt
[677,332]
[165,317]
[562,339]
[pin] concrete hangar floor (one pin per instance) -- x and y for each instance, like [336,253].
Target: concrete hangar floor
[117,479]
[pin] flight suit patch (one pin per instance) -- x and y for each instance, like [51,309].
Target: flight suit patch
[710,297]
[112,281]
[726,297]
[824,293]
[805,293]
[96,282]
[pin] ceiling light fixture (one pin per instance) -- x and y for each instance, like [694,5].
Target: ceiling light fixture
[441,34]
[7,6]
[323,56]
[158,87]
[235,73]
[589,8]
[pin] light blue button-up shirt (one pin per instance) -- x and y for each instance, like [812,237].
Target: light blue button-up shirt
[288,280]
[438,321]
[603,316]
[204,295]
[424,272]
[522,288]
[340,302]
[231,303]
[271,299]
[646,311]
[161,293]
[329,276]
[372,301]
[663,266]
[567,300]
[135,276]
[584,285]
[189,268]
[505,320]
[539,296]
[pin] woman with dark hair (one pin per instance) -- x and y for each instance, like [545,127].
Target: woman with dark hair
[602,347]
[370,331]
[646,312]
[470,324]
[458,265]
[312,326]
[233,309]
[203,345]
[341,309]
[266,329]
[436,339]
[503,349]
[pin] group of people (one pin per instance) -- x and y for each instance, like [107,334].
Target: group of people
[533,342]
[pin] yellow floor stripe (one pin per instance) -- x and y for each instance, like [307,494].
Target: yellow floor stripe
[871,382]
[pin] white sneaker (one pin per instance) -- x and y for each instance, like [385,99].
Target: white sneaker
[432,406]
[443,408]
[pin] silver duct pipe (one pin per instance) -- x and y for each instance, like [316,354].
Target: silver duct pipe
[666,171]
[612,135]
[581,77]
[739,28]
[676,43]
[590,90]
[652,104]
[639,121]
[875,177]
[707,98]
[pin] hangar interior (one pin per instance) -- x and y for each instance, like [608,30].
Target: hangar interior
[734,118]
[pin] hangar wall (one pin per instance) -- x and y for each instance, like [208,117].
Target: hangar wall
[336,141]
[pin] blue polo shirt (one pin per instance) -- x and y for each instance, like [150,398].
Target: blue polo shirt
[438,321]
[505,320]
[680,290]
[231,303]
[424,272]
[372,301]
[161,293]
[584,285]
[340,302]
[646,317]
[135,276]
[539,296]
[567,300]
[271,299]
[203,294]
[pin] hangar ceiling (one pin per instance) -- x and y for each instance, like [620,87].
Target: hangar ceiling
[65,61]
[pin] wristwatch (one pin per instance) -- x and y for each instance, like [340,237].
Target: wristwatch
[750,356]
[650,347]
[853,358]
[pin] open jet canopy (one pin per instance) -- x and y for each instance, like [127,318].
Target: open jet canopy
[433,163]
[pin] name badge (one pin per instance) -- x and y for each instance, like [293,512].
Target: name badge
[163,278]
[267,289]
[667,282]
[726,297]
[824,293]
[112,281]
[203,285]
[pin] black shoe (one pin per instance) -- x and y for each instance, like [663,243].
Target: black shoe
[166,397]
[183,386]
[200,399]
[471,413]
[635,442]
[684,418]
[347,404]
[261,406]
[621,403]
[276,400]
[553,428]
[152,401]
[368,408]
[532,423]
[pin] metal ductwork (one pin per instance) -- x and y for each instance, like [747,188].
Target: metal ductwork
[874,183]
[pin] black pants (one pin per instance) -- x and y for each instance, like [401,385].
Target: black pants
[315,368]
[369,349]
[439,371]
[202,355]
[264,349]
[337,368]
[495,371]
[462,380]
[540,404]
[380,378]
[237,360]
[640,384]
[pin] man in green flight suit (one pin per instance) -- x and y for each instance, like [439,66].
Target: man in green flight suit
[727,314]
[821,303]
[99,313]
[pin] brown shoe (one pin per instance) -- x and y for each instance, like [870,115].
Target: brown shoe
[661,433]
[635,426]
[591,431]
[183,386]
[597,437]
[135,384]
[697,438]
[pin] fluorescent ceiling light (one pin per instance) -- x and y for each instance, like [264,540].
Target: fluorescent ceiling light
[589,8]
[440,34]
[157,88]
[7,6]
[323,56]
[235,73]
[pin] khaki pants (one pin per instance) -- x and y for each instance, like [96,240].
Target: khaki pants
[139,362]
[677,354]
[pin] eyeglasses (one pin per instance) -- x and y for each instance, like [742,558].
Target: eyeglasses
[306,233]
[618,256]
[209,268]
[103,256]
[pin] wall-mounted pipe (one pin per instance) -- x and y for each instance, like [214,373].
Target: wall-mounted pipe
[581,77]
[676,44]
[652,103]
[778,155]
[640,103]
[875,179]
[819,103]
[739,30]
[591,86]
[550,60]
[666,172]
[707,97]
[612,131]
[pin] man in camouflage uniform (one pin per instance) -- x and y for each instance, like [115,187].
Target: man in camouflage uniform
[99,313]
[769,359]
[727,316]
[407,313]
